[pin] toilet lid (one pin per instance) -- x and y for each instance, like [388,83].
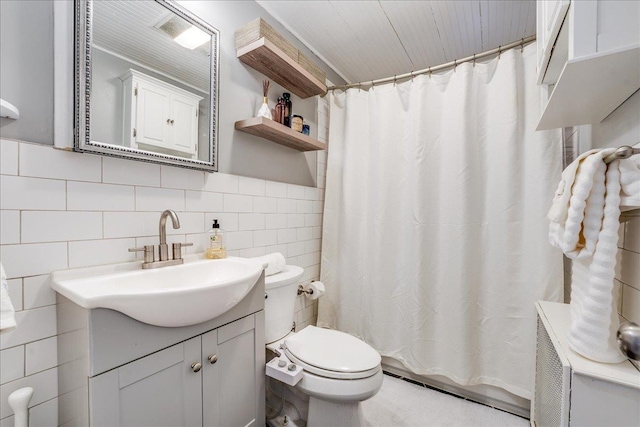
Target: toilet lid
[333,351]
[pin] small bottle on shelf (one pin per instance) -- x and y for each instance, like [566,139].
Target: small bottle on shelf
[216,249]
[279,111]
[288,111]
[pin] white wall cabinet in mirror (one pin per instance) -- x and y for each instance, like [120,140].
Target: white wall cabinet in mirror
[159,116]
[146,82]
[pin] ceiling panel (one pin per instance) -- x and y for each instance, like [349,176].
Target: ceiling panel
[368,28]
[126,29]
[413,22]
[366,40]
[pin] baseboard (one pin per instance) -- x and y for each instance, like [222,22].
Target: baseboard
[508,402]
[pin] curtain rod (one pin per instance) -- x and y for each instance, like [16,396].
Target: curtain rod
[430,70]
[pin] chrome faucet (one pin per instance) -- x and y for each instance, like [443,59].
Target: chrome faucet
[163,248]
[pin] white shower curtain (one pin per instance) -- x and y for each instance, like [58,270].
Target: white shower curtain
[435,242]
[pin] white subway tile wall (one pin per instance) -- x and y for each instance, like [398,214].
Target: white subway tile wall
[64,210]
[115,171]
[628,269]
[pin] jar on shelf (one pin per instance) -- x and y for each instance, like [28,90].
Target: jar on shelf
[296,123]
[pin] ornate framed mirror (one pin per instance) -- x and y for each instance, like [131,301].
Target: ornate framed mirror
[146,83]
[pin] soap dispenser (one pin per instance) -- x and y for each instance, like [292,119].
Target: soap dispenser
[216,249]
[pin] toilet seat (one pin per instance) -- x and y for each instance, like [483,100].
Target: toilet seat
[332,354]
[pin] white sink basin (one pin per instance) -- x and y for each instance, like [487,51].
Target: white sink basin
[180,295]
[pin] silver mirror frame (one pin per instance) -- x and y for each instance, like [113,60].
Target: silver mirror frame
[82,137]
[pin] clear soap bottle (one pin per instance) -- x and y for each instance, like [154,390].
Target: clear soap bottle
[216,249]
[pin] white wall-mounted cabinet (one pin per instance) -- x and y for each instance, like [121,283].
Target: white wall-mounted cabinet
[588,58]
[550,16]
[571,390]
[159,115]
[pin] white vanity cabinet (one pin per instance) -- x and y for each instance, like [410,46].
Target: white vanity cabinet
[159,115]
[588,58]
[133,394]
[116,371]
[204,381]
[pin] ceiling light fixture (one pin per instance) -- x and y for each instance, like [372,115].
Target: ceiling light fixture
[192,38]
[182,32]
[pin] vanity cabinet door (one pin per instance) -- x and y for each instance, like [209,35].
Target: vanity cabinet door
[153,115]
[230,388]
[184,128]
[161,389]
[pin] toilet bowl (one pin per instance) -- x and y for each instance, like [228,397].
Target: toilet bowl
[339,370]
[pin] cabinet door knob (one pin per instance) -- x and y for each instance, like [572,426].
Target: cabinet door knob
[196,366]
[213,358]
[168,121]
[171,121]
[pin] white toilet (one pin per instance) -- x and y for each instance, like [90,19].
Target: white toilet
[340,370]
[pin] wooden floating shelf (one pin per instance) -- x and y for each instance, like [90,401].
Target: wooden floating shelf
[264,56]
[281,134]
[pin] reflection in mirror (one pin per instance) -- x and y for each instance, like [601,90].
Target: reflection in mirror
[150,82]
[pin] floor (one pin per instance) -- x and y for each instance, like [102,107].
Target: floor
[401,403]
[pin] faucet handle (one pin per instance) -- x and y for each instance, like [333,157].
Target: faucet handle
[177,249]
[149,255]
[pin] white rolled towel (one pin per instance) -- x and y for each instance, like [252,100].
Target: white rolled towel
[275,263]
[7,313]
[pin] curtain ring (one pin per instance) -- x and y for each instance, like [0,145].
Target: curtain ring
[455,65]
[395,78]
[360,87]
[499,51]
[412,76]
[429,72]
[474,59]
[522,45]
[371,84]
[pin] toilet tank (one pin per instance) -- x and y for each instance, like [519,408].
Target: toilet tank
[279,306]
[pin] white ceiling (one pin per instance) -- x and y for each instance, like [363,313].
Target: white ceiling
[367,40]
[126,28]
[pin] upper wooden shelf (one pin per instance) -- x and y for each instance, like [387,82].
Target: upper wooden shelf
[264,56]
[276,132]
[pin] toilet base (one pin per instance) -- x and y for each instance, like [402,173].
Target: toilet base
[323,413]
